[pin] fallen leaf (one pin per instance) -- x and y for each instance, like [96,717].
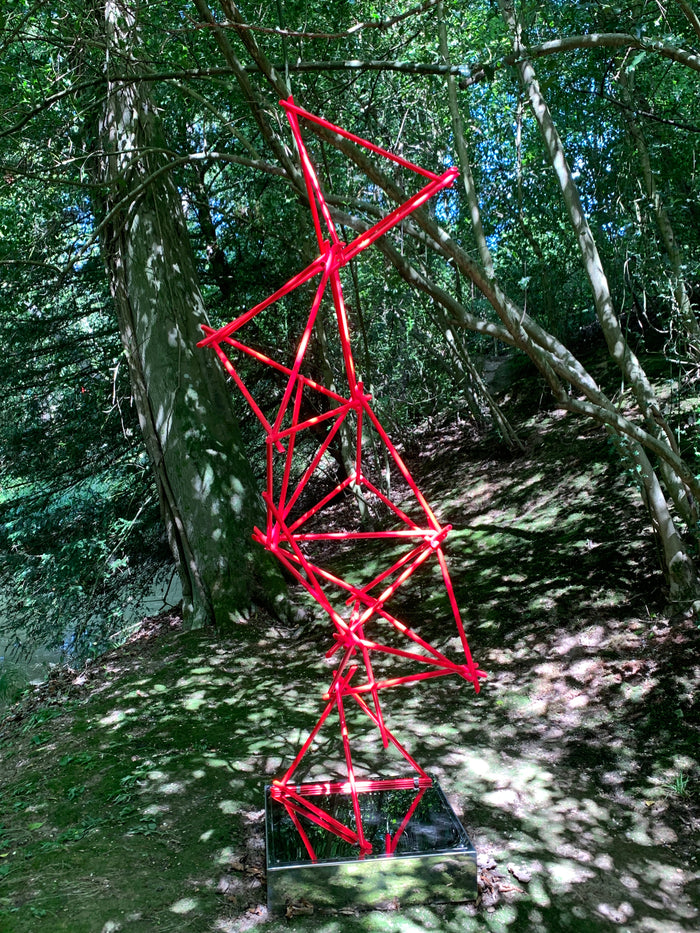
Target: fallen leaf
[509,889]
[302,908]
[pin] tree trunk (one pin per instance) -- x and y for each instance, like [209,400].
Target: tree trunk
[207,492]
[617,344]
[516,328]
[218,263]
[663,220]
[676,564]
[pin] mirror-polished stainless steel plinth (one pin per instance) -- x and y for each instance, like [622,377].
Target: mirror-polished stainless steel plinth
[425,858]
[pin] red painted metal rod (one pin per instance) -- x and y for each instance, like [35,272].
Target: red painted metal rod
[310,584]
[290,106]
[349,766]
[291,810]
[231,370]
[313,189]
[341,411]
[393,841]
[300,278]
[394,508]
[442,662]
[403,469]
[400,580]
[306,808]
[385,574]
[397,745]
[414,678]
[267,361]
[307,744]
[344,332]
[321,788]
[304,342]
[319,505]
[307,476]
[296,407]
[458,620]
[400,213]
[365,535]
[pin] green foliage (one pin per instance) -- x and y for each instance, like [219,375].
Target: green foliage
[79,531]
[679,785]
[77,508]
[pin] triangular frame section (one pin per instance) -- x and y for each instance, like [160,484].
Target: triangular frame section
[361,607]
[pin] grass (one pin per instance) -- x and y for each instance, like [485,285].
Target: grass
[132,796]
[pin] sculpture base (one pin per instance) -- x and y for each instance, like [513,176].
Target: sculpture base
[426,858]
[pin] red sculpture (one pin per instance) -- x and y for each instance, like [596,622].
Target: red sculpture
[291,533]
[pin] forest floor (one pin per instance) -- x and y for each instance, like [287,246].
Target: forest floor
[132,790]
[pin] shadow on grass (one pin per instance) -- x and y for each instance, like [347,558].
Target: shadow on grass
[135,802]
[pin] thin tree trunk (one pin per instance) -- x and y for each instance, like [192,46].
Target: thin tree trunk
[218,262]
[556,363]
[690,15]
[677,566]
[618,347]
[517,328]
[685,312]
[507,432]
[615,339]
[207,493]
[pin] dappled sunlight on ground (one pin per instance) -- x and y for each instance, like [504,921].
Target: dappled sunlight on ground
[134,800]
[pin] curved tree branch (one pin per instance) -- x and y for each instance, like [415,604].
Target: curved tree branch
[381,25]
[481,71]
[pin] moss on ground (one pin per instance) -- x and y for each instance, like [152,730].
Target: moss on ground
[132,791]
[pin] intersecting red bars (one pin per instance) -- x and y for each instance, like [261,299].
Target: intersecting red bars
[290,532]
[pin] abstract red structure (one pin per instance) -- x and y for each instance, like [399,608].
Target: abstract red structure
[365,628]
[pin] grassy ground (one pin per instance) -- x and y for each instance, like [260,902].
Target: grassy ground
[132,791]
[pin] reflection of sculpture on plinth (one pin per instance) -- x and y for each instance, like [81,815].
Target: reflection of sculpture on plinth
[292,534]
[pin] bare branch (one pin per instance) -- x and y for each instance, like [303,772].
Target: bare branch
[11,36]
[691,16]
[623,425]
[225,122]
[31,262]
[610,40]
[357,64]
[74,89]
[256,104]
[422,282]
[48,102]
[382,25]
[47,174]
[469,75]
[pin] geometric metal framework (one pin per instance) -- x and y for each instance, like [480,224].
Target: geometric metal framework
[366,632]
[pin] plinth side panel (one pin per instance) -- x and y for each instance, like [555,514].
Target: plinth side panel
[428,859]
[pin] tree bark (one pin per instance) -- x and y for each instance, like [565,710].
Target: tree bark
[556,363]
[617,344]
[207,493]
[508,433]
[663,220]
